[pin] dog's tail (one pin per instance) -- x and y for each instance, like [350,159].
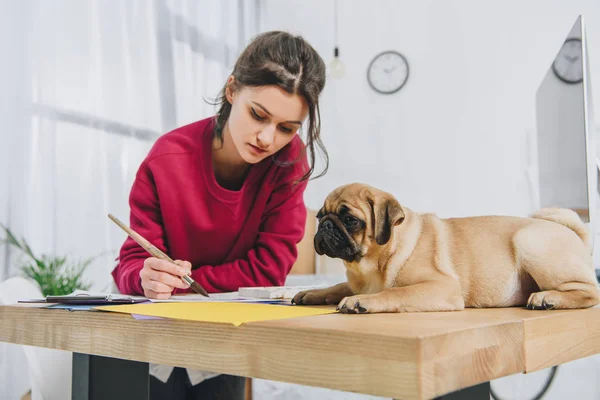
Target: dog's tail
[566,217]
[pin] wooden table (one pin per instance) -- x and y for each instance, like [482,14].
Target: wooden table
[404,356]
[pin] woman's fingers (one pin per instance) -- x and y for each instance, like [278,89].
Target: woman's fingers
[186,265]
[167,279]
[155,295]
[158,287]
[160,277]
[165,266]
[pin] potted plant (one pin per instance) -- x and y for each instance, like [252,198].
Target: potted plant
[56,275]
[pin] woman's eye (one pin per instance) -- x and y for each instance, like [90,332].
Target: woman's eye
[256,116]
[284,129]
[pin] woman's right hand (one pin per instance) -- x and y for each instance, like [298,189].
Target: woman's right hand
[160,277]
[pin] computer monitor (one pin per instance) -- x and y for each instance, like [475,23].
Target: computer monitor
[566,145]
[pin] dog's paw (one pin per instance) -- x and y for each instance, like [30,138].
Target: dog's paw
[543,301]
[311,297]
[360,304]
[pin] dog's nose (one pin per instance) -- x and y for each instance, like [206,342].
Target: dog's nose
[328,225]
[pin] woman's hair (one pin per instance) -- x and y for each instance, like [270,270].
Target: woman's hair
[281,59]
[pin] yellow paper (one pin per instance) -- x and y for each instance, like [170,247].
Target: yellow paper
[232,313]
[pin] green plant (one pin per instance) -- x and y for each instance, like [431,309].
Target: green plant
[54,274]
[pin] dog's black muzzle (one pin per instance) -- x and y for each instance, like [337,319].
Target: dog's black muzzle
[333,240]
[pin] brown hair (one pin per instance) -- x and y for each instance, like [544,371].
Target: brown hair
[288,61]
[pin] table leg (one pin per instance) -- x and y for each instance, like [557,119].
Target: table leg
[96,377]
[477,392]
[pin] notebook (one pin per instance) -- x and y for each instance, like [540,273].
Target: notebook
[80,297]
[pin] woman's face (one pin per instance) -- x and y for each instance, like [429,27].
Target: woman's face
[263,120]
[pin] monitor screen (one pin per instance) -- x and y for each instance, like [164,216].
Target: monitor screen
[566,150]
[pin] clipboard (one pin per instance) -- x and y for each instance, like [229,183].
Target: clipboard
[89,299]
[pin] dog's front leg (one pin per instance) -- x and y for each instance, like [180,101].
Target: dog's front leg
[330,295]
[439,295]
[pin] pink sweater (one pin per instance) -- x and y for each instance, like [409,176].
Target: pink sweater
[232,238]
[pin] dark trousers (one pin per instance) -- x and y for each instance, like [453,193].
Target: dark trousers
[179,387]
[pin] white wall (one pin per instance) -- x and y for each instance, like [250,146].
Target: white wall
[454,140]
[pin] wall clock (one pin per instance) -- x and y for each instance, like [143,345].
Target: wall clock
[388,72]
[567,65]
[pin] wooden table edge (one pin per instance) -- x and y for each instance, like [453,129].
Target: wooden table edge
[528,324]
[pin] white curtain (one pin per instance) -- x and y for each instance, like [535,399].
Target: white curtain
[86,87]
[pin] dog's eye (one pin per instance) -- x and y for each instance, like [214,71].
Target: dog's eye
[350,220]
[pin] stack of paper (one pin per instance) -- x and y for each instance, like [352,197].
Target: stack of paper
[275,292]
[233,308]
[219,312]
[232,297]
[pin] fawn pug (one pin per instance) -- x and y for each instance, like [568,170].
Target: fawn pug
[398,260]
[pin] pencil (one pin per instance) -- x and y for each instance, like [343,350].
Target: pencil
[150,248]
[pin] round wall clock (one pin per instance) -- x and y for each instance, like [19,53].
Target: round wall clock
[388,72]
[568,64]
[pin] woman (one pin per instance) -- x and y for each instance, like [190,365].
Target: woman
[224,195]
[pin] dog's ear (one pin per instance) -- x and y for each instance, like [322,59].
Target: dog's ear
[387,213]
[320,213]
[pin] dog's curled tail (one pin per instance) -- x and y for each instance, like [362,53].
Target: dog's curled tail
[566,217]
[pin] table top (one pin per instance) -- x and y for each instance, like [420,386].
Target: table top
[408,356]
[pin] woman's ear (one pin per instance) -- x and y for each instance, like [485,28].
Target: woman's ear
[229,89]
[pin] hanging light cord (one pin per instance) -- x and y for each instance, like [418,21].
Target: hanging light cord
[336,51]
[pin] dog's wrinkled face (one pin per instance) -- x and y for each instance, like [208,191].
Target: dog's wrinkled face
[354,219]
[335,236]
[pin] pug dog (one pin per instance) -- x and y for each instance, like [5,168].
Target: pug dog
[398,260]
